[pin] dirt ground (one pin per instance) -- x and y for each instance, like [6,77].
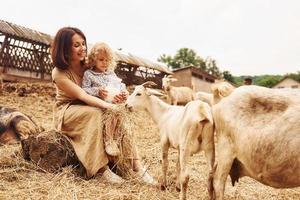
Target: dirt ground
[20,179]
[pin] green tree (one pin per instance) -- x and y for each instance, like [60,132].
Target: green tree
[261,80]
[211,67]
[184,57]
[171,63]
[228,76]
[266,80]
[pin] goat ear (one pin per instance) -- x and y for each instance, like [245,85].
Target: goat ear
[149,84]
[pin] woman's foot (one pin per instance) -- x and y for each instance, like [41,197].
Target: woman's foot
[111,177]
[111,148]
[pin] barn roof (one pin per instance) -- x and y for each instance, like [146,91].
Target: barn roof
[138,61]
[25,33]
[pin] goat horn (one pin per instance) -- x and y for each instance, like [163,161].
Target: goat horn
[149,84]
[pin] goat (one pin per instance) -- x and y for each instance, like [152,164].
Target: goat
[220,90]
[187,128]
[176,95]
[205,96]
[258,135]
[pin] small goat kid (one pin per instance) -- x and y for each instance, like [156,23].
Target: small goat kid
[187,128]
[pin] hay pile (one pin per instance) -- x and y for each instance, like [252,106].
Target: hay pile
[49,150]
[20,179]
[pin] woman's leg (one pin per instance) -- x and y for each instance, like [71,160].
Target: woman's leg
[82,124]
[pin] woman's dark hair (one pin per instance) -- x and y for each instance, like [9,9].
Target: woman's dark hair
[61,46]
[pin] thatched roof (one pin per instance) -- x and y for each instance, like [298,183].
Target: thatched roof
[25,33]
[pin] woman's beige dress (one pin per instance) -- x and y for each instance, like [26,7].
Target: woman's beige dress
[81,123]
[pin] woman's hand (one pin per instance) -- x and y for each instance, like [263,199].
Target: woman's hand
[102,93]
[120,98]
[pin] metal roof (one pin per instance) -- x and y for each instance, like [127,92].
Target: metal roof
[26,33]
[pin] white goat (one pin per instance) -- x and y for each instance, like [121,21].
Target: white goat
[187,128]
[176,95]
[205,96]
[220,90]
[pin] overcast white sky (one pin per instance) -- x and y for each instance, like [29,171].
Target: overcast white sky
[246,37]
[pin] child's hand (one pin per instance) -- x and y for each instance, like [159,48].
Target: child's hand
[120,98]
[124,95]
[102,93]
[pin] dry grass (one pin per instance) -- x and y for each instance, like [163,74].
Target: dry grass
[20,179]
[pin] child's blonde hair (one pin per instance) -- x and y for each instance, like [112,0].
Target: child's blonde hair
[102,48]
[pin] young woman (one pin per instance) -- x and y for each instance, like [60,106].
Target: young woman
[76,113]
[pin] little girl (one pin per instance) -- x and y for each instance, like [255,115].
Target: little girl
[102,77]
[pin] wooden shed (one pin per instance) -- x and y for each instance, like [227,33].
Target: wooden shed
[194,78]
[135,70]
[25,56]
[24,53]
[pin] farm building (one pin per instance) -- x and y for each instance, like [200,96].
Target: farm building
[135,70]
[25,56]
[287,82]
[24,53]
[193,77]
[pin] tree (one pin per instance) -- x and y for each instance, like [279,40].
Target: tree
[267,80]
[171,63]
[187,57]
[228,76]
[211,66]
[183,58]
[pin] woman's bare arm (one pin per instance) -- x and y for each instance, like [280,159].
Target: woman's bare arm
[73,90]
